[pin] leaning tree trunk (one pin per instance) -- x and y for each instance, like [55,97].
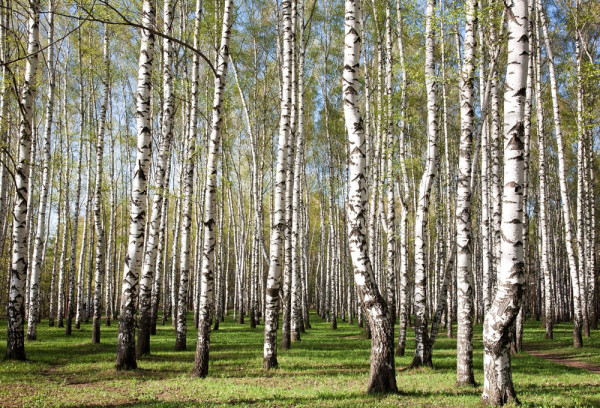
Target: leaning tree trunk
[15,345]
[498,387]
[421,338]
[36,271]
[271,318]
[210,201]
[464,239]
[100,236]
[382,377]
[126,358]
[564,196]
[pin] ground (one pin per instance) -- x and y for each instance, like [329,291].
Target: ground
[327,368]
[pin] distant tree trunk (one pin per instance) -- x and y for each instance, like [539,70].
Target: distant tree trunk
[126,357]
[498,387]
[100,236]
[421,337]
[383,376]
[464,239]
[210,201]
[15,345]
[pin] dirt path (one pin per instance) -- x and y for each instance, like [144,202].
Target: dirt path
[557,358]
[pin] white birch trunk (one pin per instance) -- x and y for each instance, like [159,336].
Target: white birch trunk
[421,337]
[100,235]
[564,196]
[382,377]
[15,345]
[464,239]
[498,387]
[210,201]
[278,224]
[38,250]
[126,358]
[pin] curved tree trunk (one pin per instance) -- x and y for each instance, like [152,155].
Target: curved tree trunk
[498,387]
[564,196]
[382,377]
[126,357]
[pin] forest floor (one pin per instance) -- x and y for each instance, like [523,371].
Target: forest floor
[327,368]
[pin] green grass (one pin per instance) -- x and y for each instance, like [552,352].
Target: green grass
[327,368]
[562,343]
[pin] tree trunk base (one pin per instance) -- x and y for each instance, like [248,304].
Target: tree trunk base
[96,331]
[15,346]
[577,339]
[69,327]
[296,335]
[400,349]
[419,361]
[270,362]
[286,341]
[180,343]
[334,323]
[51,322]
[200,369]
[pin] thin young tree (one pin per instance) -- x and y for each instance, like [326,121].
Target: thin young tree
[98,223]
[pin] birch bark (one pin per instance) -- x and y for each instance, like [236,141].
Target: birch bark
[208,264]
[382,376]
[498,388]
[126,358]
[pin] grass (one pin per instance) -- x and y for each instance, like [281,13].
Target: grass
[562,343]
[327,368]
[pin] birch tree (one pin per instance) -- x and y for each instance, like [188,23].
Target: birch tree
[498,387]
[210,200]
[126,357]
[382,377]
[38,249]
[98,223]
[15,342]
[464,335]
